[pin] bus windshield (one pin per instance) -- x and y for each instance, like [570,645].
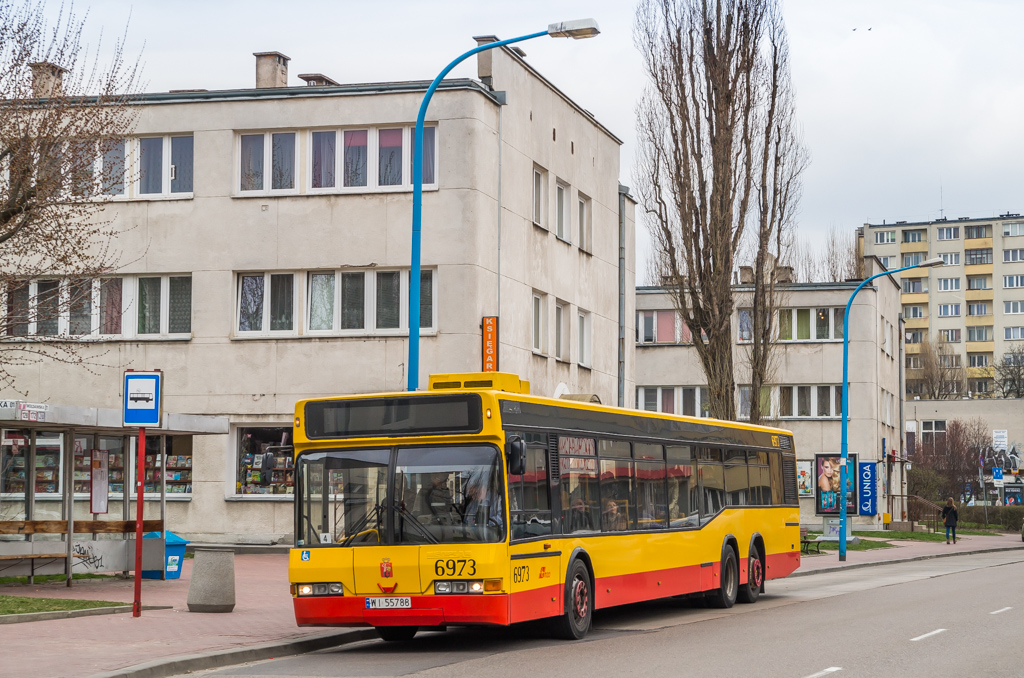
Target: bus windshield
[441,494]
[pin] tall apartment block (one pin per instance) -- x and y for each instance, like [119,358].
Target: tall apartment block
[974,304]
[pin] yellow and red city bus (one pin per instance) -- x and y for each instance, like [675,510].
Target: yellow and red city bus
[477,503]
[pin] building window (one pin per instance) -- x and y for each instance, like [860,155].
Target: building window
[540,318]
[979,333]
[165,165]
[258,153]
[795,324]
[355,158]
[949,360]
[950,258]
[585,227]
[265,461]
[980,385]
[164,305]
[977,309]
[429,155]
[977,257]
[913,362]
[323,159]
[913,312]
[949,284]
[977,283]
[949,310]
[389,157]
[561,331]
[824,401]
[583,338]
[914,337]
[688,401]
[562,214]
[656,327]
[885,237]
[949,336]
[1013,228]
[913,236]
[1013,256]
[933,432]
[915,285]
[746,325]
[978,232]
[1013,333]
[260,315]
[949,232]
[1013,307]
[540,182]
[887,262]
[912,259]
[1013,281]
[978,359]
[360,302]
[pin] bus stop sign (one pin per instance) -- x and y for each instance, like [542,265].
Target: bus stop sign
[142,399]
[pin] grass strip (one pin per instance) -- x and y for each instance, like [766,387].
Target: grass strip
[915,536]
[862,545]
[43,578]
[24,605]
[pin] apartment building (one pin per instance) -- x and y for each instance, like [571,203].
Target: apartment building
[973,304]
[805,394]
[266,235]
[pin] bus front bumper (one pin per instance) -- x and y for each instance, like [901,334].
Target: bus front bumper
[424,611]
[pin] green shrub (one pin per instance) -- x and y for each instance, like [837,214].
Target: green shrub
[1008,518]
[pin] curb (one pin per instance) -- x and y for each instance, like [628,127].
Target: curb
[855,566]
[70,614]
[172,666]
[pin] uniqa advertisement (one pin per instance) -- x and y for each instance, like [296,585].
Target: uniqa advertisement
[866,501]
[827,484]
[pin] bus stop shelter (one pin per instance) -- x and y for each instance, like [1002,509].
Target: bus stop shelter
[46,486]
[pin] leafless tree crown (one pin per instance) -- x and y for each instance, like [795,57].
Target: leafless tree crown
[64,119]
[718,155]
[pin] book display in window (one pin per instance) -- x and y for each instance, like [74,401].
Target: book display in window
[48,463]
[13,456]
[266,461]
[178,469]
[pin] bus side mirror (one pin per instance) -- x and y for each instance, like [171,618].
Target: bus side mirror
[515,449]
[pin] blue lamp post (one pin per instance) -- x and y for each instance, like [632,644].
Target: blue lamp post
[843,473]
[582,28]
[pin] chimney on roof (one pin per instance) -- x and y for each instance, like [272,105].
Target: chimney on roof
[47,79]
[484,60]
[746,275]
[271,70]
[317,80]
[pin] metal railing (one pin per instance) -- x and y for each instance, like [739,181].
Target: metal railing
[919,510]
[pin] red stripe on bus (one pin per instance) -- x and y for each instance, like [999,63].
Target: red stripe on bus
[536,603]
[781,564]
[425,611]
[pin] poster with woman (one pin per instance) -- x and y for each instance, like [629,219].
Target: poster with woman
[827,484]
[804,479]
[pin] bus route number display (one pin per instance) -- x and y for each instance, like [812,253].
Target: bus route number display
[576,446]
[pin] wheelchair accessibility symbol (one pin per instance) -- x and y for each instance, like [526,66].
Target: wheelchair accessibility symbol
[305,555]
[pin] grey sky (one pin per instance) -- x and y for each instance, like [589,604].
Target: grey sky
[930,96]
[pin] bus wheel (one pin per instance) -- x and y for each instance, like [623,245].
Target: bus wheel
[579,604]
[750,591]
[725,597]
[396,633]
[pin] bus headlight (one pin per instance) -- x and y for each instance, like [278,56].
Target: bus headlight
[442,587]
[463,586]
[325,589]
[305,589]
[335,589]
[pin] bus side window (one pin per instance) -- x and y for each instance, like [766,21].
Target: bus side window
[777,483]
[683,500]
[737,484]
[711,475]
[652,506]
[528,494]
[579,495]
[618,508]
[760,478]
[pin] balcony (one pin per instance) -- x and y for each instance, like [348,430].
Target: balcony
[978,269]
[912,349]
[976,295]
[914,246]
[916,298]
[980,372]
[981,346]
[916,323]
[977,243]
[973,320]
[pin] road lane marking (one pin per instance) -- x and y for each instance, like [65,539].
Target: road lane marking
[1002,610]
[929,634]
[819,674]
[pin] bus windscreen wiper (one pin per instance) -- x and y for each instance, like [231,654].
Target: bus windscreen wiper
[410,518]
[362,523]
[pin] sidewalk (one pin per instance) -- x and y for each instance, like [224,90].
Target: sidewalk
[906,550]
[85,646]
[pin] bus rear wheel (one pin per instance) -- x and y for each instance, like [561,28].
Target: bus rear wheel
[579,604]
[725,597]
[393,634]
[750,591]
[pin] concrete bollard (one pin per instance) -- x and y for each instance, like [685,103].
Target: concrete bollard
[212,588]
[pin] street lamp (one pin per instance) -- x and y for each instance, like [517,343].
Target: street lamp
[843,474]
[577,30]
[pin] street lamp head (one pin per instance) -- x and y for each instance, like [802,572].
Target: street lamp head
[937,261]
[577,30]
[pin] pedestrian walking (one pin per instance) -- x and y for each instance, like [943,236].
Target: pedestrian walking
[950,518]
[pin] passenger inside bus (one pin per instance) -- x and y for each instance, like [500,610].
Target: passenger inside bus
[611,519]
[579,517]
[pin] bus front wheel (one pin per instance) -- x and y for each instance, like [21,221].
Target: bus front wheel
[725,596]
[579,604]
[750,591]
[396,633]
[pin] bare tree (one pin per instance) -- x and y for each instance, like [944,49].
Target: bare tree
[952,459]
[941,373]
[718,154]
[836,260]
[64,117]
[1010,373]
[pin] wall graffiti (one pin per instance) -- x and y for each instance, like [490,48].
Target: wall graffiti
[86,557]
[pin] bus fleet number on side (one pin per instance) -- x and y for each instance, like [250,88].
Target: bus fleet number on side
[454,568]
[520,574]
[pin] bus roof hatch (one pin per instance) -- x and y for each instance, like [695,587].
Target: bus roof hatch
[492,381]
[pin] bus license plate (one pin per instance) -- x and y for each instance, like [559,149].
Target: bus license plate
[391,603]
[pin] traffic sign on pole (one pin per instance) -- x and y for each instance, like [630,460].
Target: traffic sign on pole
[143,399]
[997,477]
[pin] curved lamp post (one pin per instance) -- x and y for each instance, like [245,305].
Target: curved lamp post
[843,473]
[582,28]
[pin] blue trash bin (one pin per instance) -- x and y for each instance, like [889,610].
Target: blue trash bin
[174,555]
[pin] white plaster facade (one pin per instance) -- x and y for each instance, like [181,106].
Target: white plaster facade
[487,154]
[812,364]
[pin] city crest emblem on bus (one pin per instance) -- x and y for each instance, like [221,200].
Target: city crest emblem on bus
[385,568]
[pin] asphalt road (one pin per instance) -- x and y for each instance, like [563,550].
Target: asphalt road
[961,616]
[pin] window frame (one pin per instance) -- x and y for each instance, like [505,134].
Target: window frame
[835,328]
[980,256]
[885,237]
[952,231]
[539,201]
[562,335]
[948,284]
[951,335]
[834,403]
[1009,227]
[268,160]
[1009,254]
[539,323]
[584,338]
[585,223]
[950,258]
[1013,282]
[265,331]
[1009,305]
[563,213]
[949,310]
[369,327]
[133,161]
